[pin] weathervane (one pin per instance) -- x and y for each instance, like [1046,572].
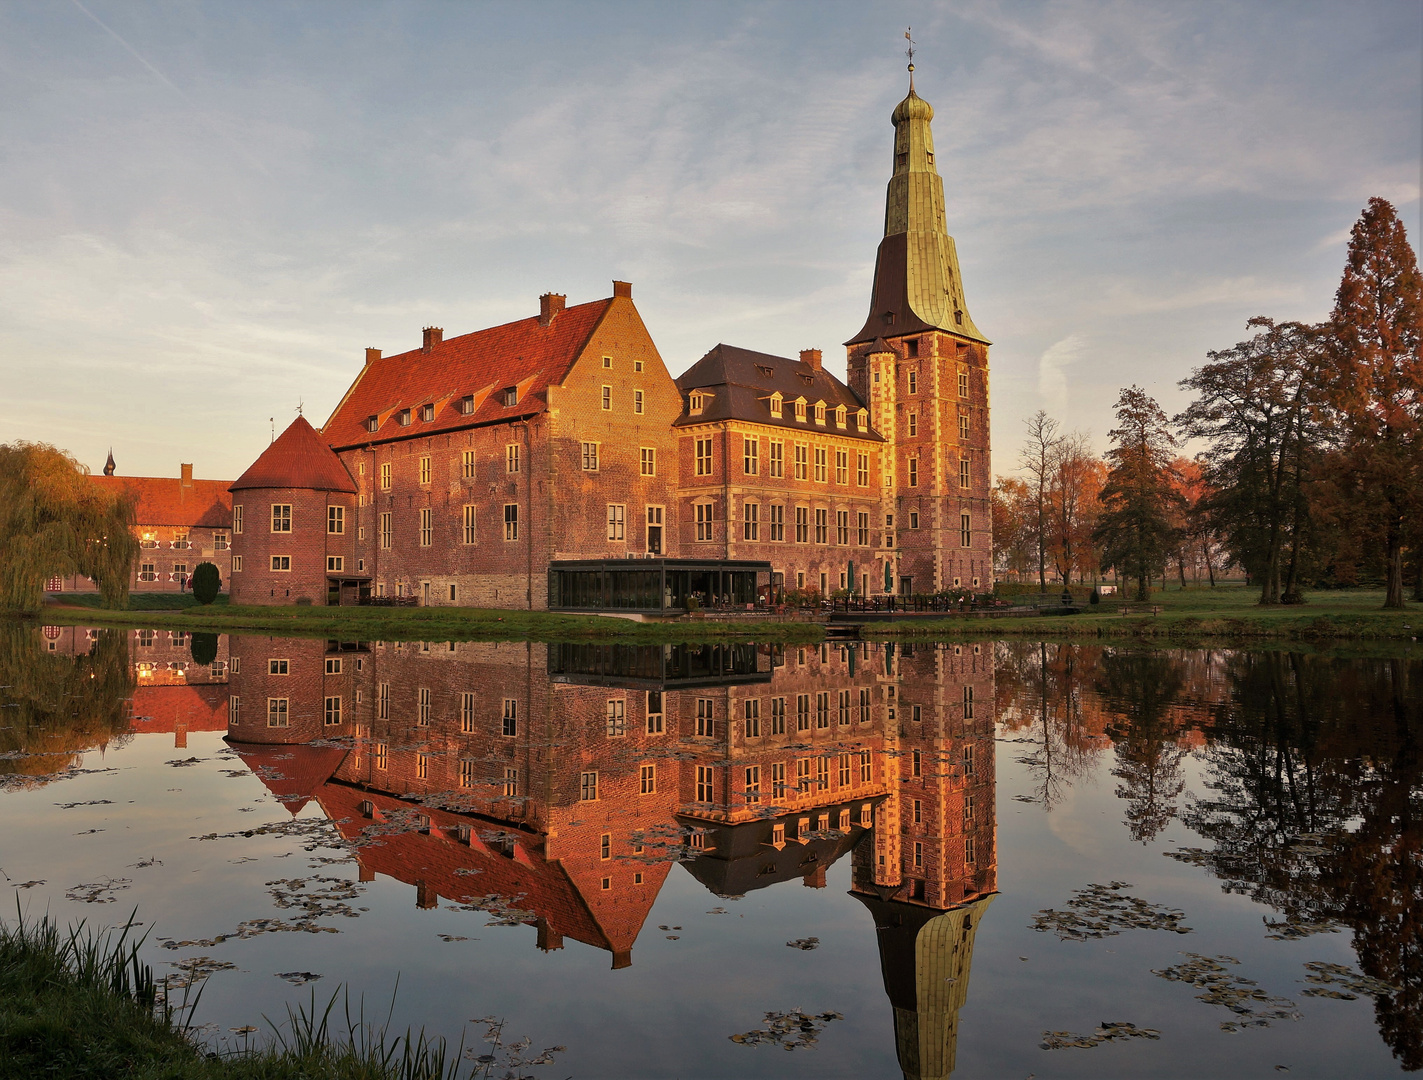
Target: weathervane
[909,52]
[299,404]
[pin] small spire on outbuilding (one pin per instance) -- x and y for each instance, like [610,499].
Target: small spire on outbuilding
[109,465]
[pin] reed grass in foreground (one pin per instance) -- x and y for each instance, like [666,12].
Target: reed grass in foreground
[81,1004]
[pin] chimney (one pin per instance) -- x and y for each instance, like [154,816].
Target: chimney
[811,357]
[372,355]
[622,958]
[550,304]
[365,872]
[186,472]
[622,288]
[548,938]
[815,879]
[433,336]
[426,898]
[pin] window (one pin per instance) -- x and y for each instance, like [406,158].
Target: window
[648,463]
[802,524]
[844,713]
[751,456]
[914,519]
[281,563]
[617,521]
[918,855]
[964,477]
[822,774]
[820,412]
[968,851]
[800,409]
[616,716]
[842,466]
[647,780]
[864,704]
[511,783]
[427,413]
[704,521]
[335,563]
[467,773]
[277,712]
[706,723]
[963,426]
[237,564]
[654,712]
[424,470]
[607,361]
[753,784]
[778,460]
[968,703]
[802,712]
[237,518]
[776,402]
[510,726]
[385,531]
[777,518]
[467,713]
[802,775]
[802,461]
[968,807]
[470,534]
[914,375]
[380,755]
[333,711]
[842,526]
[281,517]
[704,783]
[963,384]
[695,402]
[862,419]
[511,521]
[590,457]
[778,786]
[821,472]
[385,476]
[822,709]
[840,412]
[965,529]
[383,701]
[751,526]
[219,541]
[511,459]
[509,396]
[704,457]
[422,766]
[862,529]
[606,400]
[427,527]
[234,710]
[637,402]
[751,713]
[845,770]
[778,716]
[467,405]
[148,571]
[866,771]
[822,526]
[916,763]
[587,786]
[913,472]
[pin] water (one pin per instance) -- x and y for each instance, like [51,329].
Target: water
[563,844]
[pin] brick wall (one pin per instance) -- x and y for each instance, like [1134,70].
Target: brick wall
[308,545]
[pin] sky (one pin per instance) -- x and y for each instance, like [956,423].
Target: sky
[208,211]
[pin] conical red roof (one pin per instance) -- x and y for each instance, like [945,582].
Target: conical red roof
[298,459]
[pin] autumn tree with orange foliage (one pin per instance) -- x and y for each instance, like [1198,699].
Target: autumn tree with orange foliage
[1375,384]
[1013,533]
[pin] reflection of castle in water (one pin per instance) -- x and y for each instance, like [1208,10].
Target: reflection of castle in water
[556,785]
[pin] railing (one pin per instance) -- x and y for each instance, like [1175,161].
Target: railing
[915,604]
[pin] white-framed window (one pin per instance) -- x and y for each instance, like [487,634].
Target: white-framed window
[778,716]
[776,518]
[802,775]
[383,701]
[705,787]
[637,365]
[778,790]
[427,526]
[800,409]
[913,380]
[802,524]
[589,456]
[706,717]
[588,786]
[237,564]
[777,459]
[637,402]
[281,517]
[842,466]
[468,773]
[777,401]
[843,777]
[509,723]
[277,712]
[965,477]
[842,526]
[821,470]
[753,784]
[617,522]
[422,766]
[751,523]
[963,384]
[511,521]
[822,526]
[385,476]
[425,470]
[751,456]
[467,707]
[820,413]
[234,710]
[802,712]
[914,519]
[862,529]
[148,571]
[616,716]
[969,851]
[647,780]
[704,457]
[467,464]
[511,783]
[751,715]
[607,361]
[335,564]
[333,711]
[606,399]
[423,705]
[968,702]
[511,458]
[840,414]
[802,461]
[913,424]
[647,461]
[470,534]
[654,712]
[913,464]
[696,401]
[704,520]
[379,756]
[219,541]
[963,425]
[281,563]
[333,665]
[385,530]
[965,529]
[862,420]
[237,518]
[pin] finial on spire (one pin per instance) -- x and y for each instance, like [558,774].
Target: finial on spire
[909,52]
[299,404]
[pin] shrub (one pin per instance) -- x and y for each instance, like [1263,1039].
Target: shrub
[204,648]
[206,582]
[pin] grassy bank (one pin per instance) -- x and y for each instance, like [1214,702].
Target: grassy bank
[81,1005]
[1227,611]
[415,624]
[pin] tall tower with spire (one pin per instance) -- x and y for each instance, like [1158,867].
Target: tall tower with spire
[922,364]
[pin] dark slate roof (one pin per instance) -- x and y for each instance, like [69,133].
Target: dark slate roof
[297,459]
[741,389]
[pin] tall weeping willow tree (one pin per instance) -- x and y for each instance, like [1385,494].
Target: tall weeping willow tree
[54,523]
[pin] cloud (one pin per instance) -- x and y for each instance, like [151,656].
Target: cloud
[1052,373]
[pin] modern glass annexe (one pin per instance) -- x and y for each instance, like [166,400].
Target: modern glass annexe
[657,586]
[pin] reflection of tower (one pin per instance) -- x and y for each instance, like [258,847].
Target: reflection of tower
[932,871]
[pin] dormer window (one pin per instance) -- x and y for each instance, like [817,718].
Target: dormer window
[820,412]
[510,396]
[912,347]
[427,413]
[840,412]
[373,423]
[404,417]
[862,420]
[800,409]
[809,380]
[776,402]
[764,371]
[467,405]
[695,403]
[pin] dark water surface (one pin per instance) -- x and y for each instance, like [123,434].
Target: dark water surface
[925,860]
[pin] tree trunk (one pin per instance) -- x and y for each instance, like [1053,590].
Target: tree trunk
[1181,567]
[1206,554]
[1394,599]
[1418,574]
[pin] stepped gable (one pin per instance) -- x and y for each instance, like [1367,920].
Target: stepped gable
[165,500]
[524,880]
[529,355]
[297,459]
[292,772]
[740,383]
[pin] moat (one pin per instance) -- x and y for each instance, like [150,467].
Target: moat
[969,859]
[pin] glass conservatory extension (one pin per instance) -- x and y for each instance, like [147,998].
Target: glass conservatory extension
[658,586]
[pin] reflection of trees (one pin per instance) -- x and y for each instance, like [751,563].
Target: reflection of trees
[58,706]
[1314,808]
[1143,687]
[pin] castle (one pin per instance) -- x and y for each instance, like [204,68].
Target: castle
[528,465]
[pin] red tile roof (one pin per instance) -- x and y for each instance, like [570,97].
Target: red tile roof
[297,459]
[165,708]
[521,354]
[163,500]
[292,773]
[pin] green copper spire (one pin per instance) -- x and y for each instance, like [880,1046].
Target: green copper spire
[917,281]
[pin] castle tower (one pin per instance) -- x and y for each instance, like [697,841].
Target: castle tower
[922,365]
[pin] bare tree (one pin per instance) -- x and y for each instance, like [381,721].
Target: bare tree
[1038,459]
